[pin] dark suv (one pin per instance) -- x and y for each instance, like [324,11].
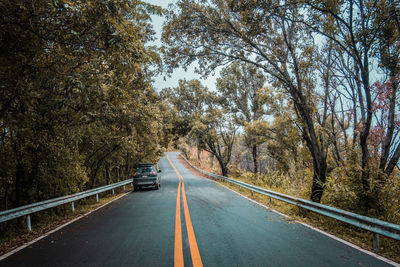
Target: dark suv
[147,175]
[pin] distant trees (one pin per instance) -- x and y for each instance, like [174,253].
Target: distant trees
[76,105]
[239,86]
[336,62]
[204,119]
[190,100]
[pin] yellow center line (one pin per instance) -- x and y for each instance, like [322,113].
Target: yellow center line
[194,250]
[178,252]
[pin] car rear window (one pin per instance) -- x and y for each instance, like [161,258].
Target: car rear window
[146,169]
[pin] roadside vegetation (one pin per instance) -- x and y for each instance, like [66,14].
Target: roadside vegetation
[16,234]
[306,102]
[77,106]
[388,248]
[307,95]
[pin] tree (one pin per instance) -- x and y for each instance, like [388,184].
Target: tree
[217,133]
[190,98]
[75,94]
[359,29]
[239,84]
[205,120]
[264,34]
[388,51]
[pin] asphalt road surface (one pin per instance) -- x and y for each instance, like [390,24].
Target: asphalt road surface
[189,221]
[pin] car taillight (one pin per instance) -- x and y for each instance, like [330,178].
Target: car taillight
[136,174]
[153,173]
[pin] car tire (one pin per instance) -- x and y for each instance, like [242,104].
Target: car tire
[157,186]
[136,188]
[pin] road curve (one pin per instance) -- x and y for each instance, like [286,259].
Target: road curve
[164,227]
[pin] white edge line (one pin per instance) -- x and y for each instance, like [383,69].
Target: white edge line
[316,229]
[2,257]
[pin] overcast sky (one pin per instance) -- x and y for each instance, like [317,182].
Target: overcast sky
[178,74]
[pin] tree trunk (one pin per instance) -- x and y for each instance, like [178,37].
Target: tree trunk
[29,183]
[108,174]
[198,151]
[19,178]
[319,178]
[316,148]
[387,142]
[129,174]
[127,161]
[255,159]
[224,168]
[6,197]
[94,175]
[365,171]
[393,161]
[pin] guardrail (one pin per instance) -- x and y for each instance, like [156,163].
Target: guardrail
[377,227]
[27,210]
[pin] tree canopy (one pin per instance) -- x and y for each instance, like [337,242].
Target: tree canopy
[335,62]
[77,108]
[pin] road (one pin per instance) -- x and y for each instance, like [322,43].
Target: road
[202,223]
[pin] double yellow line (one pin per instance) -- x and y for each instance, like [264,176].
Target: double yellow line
[194,250]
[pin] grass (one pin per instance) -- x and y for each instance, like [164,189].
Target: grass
[388,248]
[16,233]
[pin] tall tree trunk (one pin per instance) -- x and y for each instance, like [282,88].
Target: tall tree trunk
[393,161]
[198,151]
[224,168]
[255,159]
[6,197]
[314,145]
[387,142]
[365,170]
[30,181]
[108,174]
[127,164]
[319,178]
[129,174]
[94,176]
[19,178]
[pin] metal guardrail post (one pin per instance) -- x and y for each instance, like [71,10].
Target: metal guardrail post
[97,197]
[124,187]
[113,192]
[28,222]
[376,242]
[303,212]
[270,200]
[72,206]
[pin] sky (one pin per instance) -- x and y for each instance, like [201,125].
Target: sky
[159,82]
